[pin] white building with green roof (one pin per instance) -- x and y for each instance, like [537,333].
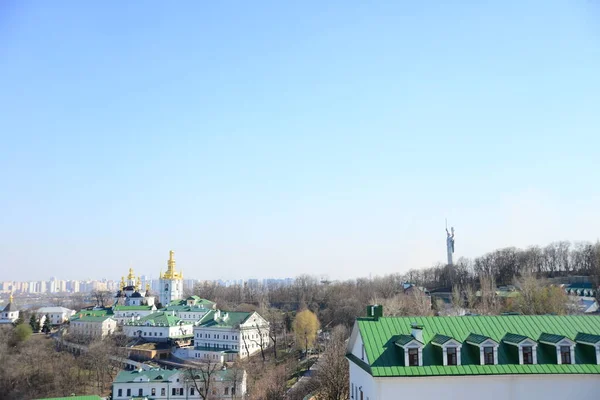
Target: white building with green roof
[226,335]
[510,357]
[127,313]
[159,326]
[193,308]
[97,323]
[158,384]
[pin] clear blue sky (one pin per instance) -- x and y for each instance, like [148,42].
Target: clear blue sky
[268,139]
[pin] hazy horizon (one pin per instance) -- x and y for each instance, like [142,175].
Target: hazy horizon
[275,139]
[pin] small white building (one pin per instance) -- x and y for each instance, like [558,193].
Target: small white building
[10,313]
[57,315]
[93,326]
[225,335]
[175,384]
[159,327]
[495,357]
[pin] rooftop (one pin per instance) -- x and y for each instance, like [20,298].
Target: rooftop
[159,319]
[228,319]
[132,308]
[379,337]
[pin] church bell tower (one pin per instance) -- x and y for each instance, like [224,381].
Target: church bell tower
[171,282]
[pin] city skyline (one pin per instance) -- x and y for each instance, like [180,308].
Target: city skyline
[279,139]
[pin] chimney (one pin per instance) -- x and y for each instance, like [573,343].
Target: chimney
[375,311]
[417,331]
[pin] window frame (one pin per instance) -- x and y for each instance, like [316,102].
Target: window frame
[488,355]
[566,353]
[452,355]
[527,352]
[413,357]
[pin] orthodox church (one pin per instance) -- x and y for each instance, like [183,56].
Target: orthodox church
[132,294]
[10,313]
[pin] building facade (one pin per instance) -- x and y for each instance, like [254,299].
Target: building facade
[225,335]
[174,384]
[159,327]
[170,283]
[495,357]
[93,327]
[57,315]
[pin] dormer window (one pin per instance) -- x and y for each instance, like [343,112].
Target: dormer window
[565,347]
[526,347]
[412,350]
[488,348]
[590,341]
[450,349]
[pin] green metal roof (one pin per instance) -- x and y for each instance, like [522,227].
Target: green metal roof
[477,339]
[405,339]
[157,375]
[587,338]
[132,308]
[440,339]
[514,338]
[385,359]
[87,314]
[158,319]
[74,398]
[91,318]
[549,337]
[233,319]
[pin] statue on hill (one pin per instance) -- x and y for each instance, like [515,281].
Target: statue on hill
[449,243]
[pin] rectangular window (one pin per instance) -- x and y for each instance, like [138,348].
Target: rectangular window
[128,392]
[565,354]
[451,352]
[192,392]
[163,392]
[153,391]
[527,355]
[226,390]
[140,392]
[413,357]
[488,355]
[173,392]
[181,391]
[120,392]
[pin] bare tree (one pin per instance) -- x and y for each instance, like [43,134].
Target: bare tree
[201,376]
[332,380]
[102,297]
[262,341]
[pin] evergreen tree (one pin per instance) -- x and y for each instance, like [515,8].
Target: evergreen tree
[19,320]
[47,327]
[34,323]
